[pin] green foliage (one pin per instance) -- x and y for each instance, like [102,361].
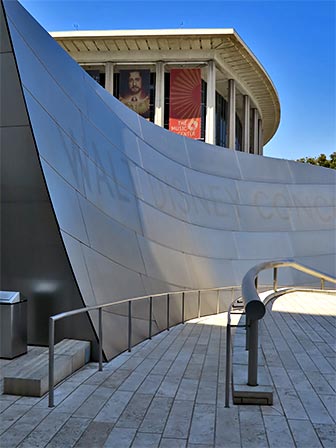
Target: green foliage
[321,160]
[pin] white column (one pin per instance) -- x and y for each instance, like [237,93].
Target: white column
[246,124]
[232,114]
[159,95]
[109,71]
[255,117]
[210,121]
[260,137]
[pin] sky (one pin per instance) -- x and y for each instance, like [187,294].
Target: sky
[294,41]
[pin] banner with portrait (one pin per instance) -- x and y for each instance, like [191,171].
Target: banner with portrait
[185,102]
[134,90]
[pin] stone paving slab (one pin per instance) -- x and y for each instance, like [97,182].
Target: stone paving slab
[169,392]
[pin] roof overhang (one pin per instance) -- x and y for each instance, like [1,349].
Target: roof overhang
[225,46]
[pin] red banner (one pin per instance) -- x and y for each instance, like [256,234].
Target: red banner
[185,102]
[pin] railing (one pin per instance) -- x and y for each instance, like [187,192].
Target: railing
[255,310]
[99,308]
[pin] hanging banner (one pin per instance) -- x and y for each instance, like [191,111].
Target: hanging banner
[185,102]
[135,90]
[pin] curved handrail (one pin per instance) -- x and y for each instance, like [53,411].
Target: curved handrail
[129,301]
[134,299]
[254,308]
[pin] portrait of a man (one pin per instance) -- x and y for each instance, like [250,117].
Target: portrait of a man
[134,90]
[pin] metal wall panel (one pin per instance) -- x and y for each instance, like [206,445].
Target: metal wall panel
[105,154]
[142,210]
[211,272]
[213,160]
[163,197]
[255,194]
[265,219]
[111,281]
[42,85]
[34,261]
[118,108]
[215,188]
[65,201]
[111,197]
[122,248]
[212,243]
[50,137]
[320,242]
[164,229]
[264,169]
[12,105]
[165,264]
[308,174]
[162,167]
[50,54]
[169,144]
[313,218]
[268,245]
[5,45]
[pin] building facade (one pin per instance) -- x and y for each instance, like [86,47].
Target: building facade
[202,83]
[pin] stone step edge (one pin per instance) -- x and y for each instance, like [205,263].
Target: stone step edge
[70,355]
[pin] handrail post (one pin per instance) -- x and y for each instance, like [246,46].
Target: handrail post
[253,354]
[275,279]
[100,337]
[168,312]
[228,361]
[217,305]
[150,317]
[182,320]
[51,361]
[322,283]
[199,304]
[247,326]
[129,325]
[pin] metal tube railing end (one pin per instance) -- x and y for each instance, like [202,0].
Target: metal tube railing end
[51,362]
[253,354]
[182,319]
[150,317]
[100,338]
[199,304]
[167,317]
[129,325]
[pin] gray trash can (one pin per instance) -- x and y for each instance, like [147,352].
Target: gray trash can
[13,325]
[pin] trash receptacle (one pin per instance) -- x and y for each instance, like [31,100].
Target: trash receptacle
[13,325]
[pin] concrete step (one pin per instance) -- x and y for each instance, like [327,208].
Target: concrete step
[28,375]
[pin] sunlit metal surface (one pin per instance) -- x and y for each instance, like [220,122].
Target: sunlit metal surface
[138,210]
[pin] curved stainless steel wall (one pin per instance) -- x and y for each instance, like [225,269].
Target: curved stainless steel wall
[142,210]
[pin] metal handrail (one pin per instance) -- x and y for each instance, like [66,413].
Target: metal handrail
[56,317]
[255,310]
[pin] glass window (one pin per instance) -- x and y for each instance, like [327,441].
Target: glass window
[221,113]
[239,134]
[98,76]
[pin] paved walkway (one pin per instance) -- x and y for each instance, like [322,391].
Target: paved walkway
[169,392]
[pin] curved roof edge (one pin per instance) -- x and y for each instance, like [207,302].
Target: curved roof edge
[222,44]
